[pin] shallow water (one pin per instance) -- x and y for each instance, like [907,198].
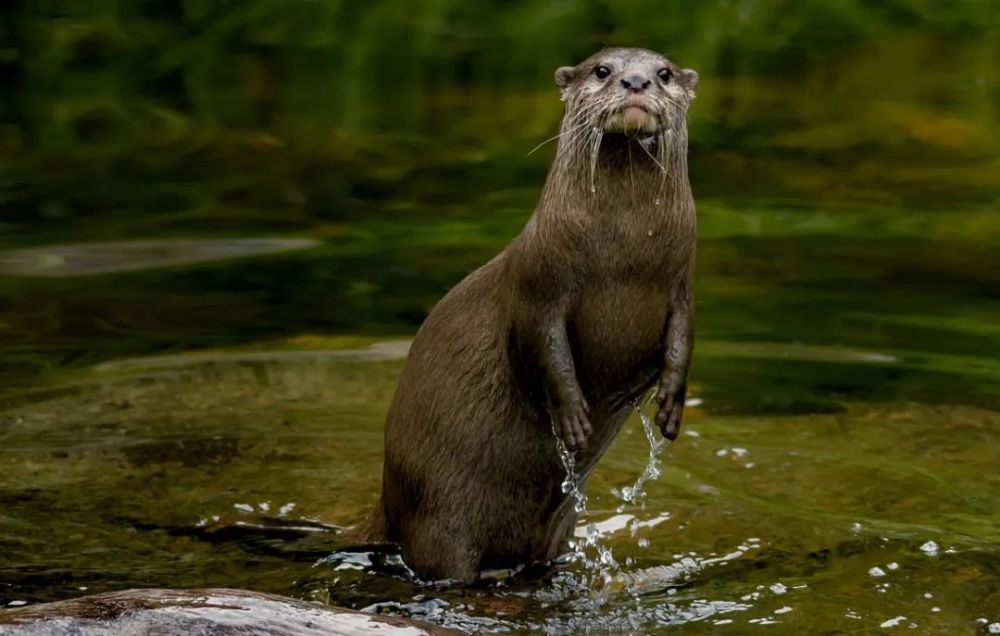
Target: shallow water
[205,303]
[232,472]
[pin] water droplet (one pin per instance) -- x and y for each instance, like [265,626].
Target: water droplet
[892,622]
[930,548]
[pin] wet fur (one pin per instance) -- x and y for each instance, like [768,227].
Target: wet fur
[566,328]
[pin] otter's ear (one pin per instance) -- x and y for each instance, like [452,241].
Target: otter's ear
[689,79]
[564,75]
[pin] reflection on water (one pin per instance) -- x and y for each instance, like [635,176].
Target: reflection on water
[87,259]
[204,407]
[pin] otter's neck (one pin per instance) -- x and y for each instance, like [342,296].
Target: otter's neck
[595,175]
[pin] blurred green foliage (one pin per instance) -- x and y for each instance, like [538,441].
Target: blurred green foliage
[207,114]
[845,157]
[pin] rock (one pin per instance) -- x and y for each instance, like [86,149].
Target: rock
[215,612]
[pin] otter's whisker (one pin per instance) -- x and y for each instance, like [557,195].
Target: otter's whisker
[571,130]
[631,177]
[581,123]
[646,150]
[595,150]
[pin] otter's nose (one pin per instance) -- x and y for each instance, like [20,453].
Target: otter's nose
[635,83]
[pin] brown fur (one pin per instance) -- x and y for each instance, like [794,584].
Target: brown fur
[564,330]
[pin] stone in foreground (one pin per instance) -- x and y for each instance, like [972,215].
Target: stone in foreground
[219,612]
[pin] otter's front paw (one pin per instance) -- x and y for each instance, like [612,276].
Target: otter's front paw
[572,423]
[671,402]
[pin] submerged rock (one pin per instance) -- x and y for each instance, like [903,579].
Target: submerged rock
[212,611]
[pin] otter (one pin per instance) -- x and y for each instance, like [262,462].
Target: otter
[564,331]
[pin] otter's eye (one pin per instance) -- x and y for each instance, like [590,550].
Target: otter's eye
[665,75]
[602,71]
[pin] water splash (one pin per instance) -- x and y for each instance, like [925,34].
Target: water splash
[600,568]
[571,483]
[635,494]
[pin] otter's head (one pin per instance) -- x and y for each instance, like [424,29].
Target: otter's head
[631,91]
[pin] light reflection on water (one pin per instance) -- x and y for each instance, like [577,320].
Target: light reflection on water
[88,259]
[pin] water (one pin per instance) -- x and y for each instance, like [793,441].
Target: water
[601,573]
[634,493]
[219,230]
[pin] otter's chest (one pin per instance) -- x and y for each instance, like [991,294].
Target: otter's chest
[617,331]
